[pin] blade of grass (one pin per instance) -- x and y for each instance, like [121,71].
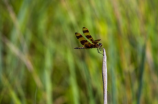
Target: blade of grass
[11,91]
[142,64]
[73,78]
[47,73]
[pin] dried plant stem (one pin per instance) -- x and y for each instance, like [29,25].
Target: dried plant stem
[104,75]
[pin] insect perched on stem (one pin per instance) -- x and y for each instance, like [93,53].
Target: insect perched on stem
[86,44]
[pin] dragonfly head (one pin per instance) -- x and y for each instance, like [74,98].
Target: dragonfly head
[100,45]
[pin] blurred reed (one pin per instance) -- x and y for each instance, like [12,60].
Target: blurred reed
[38,63]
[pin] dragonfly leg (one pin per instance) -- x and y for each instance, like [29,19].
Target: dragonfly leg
[99,51]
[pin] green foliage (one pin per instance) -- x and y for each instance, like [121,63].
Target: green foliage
[39,65]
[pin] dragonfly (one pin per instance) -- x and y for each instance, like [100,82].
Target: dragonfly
[86,44]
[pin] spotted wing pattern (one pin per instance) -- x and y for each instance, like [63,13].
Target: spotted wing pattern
[82,40]
[88,36]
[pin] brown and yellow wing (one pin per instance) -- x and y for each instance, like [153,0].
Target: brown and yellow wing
[96,41]
[82,40]
[87,34]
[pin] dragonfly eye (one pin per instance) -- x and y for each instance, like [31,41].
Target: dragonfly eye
[100,44]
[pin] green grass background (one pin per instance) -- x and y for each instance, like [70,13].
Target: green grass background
[39,65]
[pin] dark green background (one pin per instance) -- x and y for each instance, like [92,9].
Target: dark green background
[38,62]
